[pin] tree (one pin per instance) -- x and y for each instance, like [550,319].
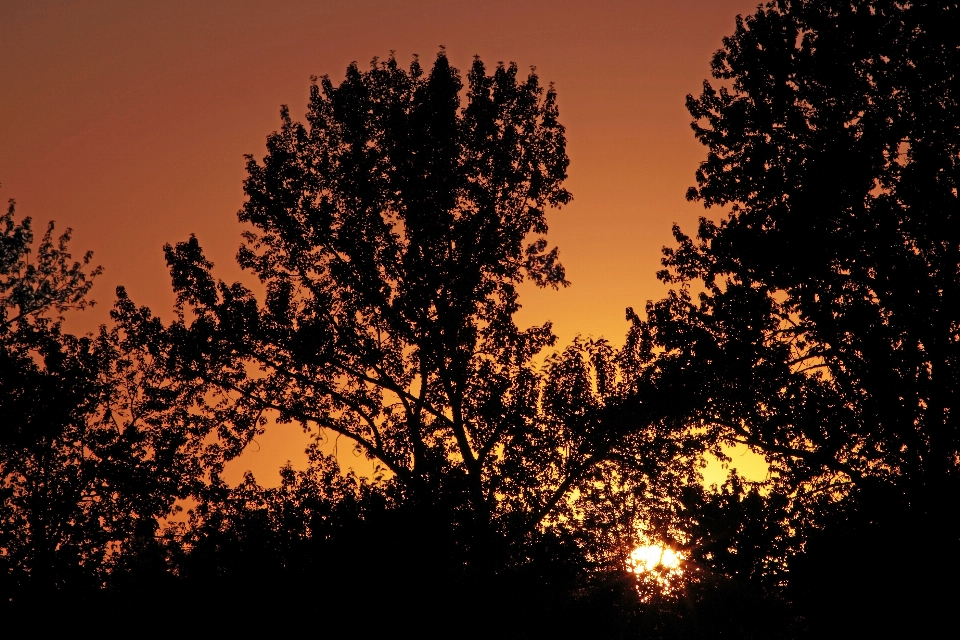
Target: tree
[39,401]
[96,444]
[390,234]
[814,322]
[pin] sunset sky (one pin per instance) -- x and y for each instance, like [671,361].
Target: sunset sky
[128,122]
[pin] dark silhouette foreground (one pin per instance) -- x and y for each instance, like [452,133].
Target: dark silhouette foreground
[826,333]
[815,323]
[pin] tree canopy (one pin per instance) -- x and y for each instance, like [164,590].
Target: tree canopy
[814,321]
[93,448]
[390,234]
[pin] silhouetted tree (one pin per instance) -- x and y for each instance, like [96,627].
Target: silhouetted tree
[390,234]
[815,323]
[47,385]
[96,443]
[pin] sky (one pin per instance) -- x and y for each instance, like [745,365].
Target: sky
[128,122]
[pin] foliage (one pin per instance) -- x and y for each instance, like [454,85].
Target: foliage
[814,322]
[390,233]
[95,446]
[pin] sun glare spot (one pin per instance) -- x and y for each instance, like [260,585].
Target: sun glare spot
[658,570]
[650,556]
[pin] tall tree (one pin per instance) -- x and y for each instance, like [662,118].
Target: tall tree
[96,443]
[391,233]
[814,322]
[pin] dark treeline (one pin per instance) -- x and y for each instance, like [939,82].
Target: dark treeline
[512,481]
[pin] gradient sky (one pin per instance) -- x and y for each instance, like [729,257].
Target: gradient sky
[128,121]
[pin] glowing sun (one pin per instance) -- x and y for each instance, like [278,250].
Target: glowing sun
[650,557]
[658,570]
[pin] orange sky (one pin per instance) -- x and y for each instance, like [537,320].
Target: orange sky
[128,122]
